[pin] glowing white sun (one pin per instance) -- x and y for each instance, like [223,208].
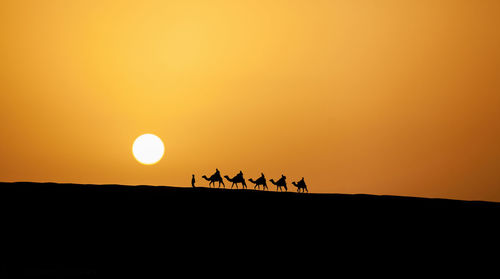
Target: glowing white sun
[148,149]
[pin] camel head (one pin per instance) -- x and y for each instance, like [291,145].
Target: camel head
[295,183]
[205,177]
[227,177]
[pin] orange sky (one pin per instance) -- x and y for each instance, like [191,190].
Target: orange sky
[380,97]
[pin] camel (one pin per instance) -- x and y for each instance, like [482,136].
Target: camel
[237,179]
[214,178]
[280,183]
[260,181]
[301,185]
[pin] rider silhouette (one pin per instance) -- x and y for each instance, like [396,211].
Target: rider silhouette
[217,173]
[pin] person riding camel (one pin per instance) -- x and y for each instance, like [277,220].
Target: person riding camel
[217,173]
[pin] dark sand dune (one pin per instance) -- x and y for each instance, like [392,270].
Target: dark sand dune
[61,229]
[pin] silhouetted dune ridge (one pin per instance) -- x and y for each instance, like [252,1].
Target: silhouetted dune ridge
[123,228]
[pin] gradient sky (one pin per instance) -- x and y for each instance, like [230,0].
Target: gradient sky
[379,97]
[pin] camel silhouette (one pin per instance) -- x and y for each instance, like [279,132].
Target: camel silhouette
[237,179]
[215,178]
[301,185]
[280,183]
[260,181]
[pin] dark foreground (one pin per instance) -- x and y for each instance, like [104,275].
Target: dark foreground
[93,230]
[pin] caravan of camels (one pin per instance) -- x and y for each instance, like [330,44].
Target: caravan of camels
[261,181]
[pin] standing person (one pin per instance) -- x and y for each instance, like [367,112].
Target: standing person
[193,181]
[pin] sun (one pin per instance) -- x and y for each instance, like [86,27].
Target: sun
[148,149]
